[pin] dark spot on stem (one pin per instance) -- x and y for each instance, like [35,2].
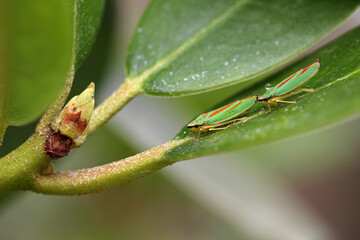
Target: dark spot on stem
[57,145]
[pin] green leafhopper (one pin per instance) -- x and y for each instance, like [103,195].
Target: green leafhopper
[290,86]
[221,118]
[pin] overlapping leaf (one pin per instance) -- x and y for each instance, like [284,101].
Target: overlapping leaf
[182,47]
[336,98]
[39,42]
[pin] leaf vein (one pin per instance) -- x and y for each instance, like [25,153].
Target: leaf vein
[190,42]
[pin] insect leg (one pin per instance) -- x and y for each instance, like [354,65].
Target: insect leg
[219,128]
[303,90]
[282,101]
[228,123]
[237,120]
[269,108]
[298,91]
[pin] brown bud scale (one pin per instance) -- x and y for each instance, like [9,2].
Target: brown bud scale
[57,145]
[78,124]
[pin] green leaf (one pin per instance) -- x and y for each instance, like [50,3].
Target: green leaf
[97,62]
[182,47]
[40,43]
[35,47]
[336,98]
[87,18]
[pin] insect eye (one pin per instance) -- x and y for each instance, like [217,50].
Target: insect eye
[194,126]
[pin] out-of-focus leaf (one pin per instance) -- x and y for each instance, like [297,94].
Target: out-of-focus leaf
[35,54]
[95,65]
[336,98]
[187,46]
[87,16]
[21,133]
[40,43]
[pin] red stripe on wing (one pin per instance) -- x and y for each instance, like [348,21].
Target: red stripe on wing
[285,81]
[220,110]
[306,68]
[317,61]
[302,71]
[240,102]
[223,108]
[235,106]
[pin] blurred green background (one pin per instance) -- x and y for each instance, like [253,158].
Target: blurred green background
[303,187]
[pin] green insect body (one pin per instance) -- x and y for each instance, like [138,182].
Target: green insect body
[221,118]
[290,85]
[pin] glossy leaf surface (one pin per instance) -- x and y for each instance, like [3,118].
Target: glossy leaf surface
[182,47]
[335,99]
[40,43]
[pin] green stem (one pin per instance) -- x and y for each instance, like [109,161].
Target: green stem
[118,99]
[2,132]
[18,168]
[103,177]
[57,105]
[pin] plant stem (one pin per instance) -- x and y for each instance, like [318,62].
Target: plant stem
[2,132]
[118,99]
[18,168]
[57,105]
[106,176]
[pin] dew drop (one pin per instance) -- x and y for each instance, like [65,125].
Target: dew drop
[268,86]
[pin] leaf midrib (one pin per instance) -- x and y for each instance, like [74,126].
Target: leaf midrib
[187,44]
[315,90]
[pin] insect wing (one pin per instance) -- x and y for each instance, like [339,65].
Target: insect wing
[230,111]
[297,79]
